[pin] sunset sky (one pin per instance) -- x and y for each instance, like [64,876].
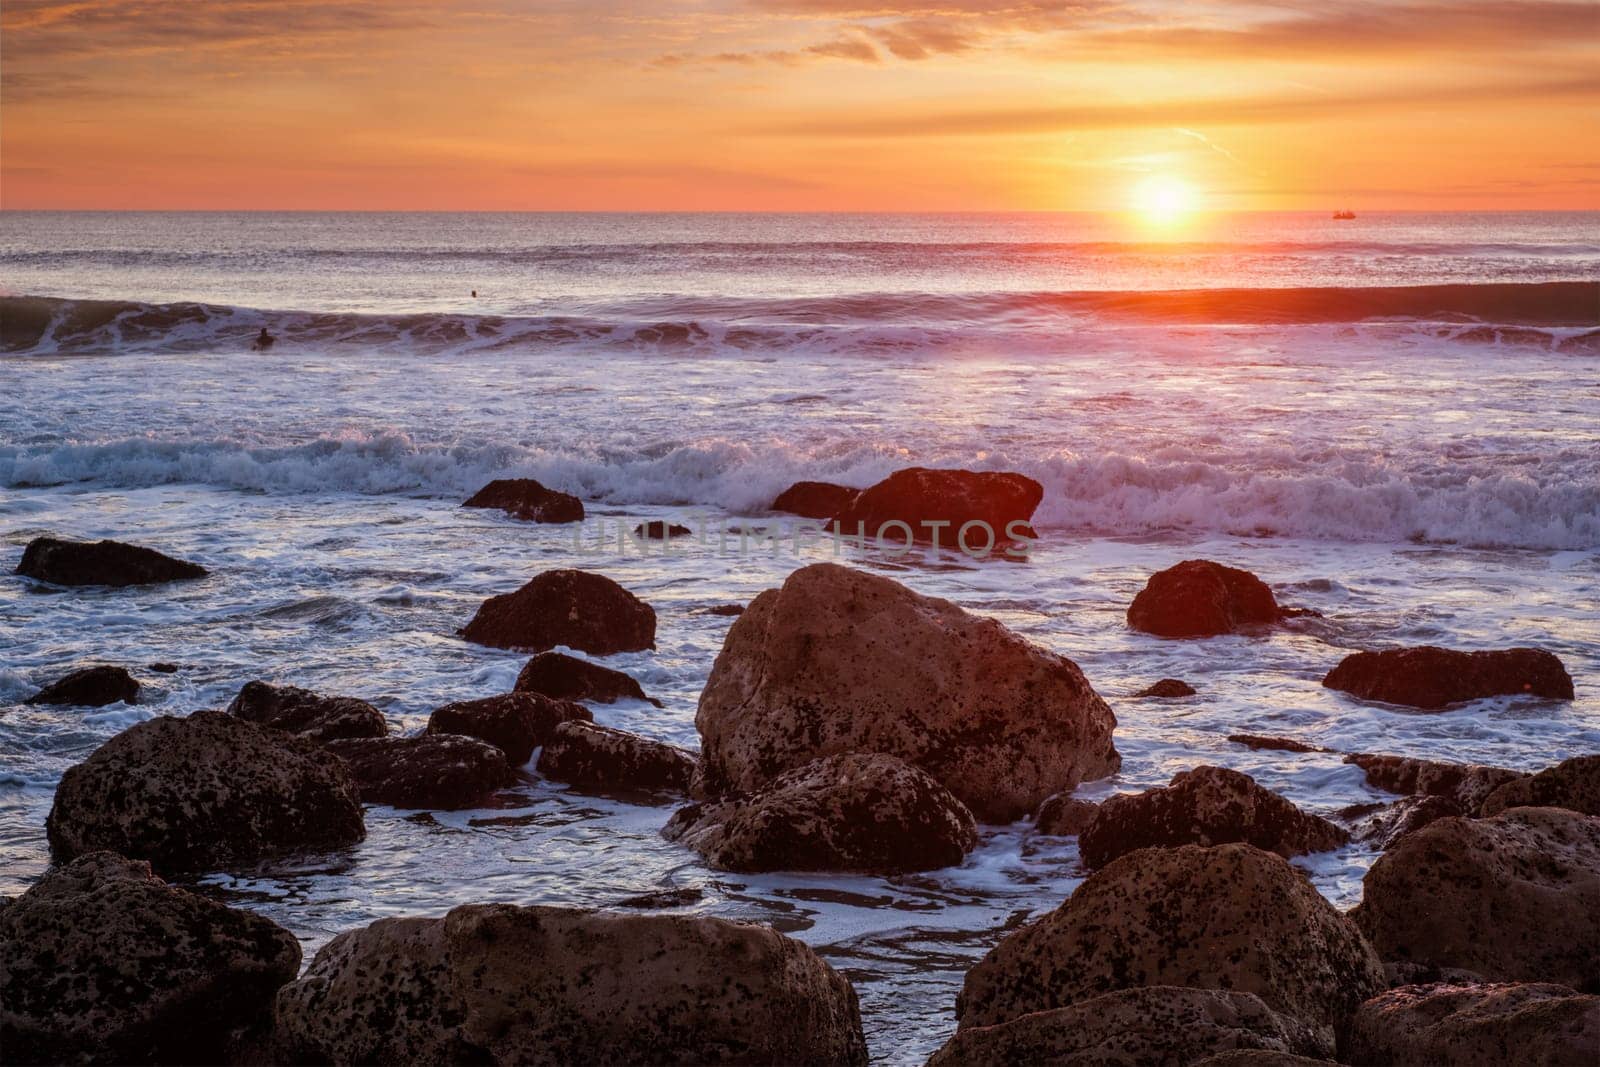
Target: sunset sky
[798,104]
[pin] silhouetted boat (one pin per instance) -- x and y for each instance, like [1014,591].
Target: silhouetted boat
[1344,214]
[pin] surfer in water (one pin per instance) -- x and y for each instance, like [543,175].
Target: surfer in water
[264,340]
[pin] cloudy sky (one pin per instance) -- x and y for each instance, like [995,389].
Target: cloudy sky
[798,104]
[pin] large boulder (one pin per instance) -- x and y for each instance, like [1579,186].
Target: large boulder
[311,715]
[588,612]
[1199,598]
[1205,806]
[1231,917]
[842,661]
[814,500]
[1515,897]
[936,504]
[209,791]
[1432,678]
[501,984]
[101,563]
[102,962]
[1573,784]
[1386,826]
[556,674]
[1476,1024]
[598,757]
[91,687]
[526,499]
[1467,785]
[1132,1028]
[855,811]
[515,723]
[432,771]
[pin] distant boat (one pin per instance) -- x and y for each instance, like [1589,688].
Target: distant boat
[1344,214]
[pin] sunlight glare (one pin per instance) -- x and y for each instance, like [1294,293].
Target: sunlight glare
[1163,199]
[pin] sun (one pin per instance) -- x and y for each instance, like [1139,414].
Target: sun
[1162,199]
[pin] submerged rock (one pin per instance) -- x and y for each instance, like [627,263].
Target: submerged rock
[1467,784]
[432,771]
[1274,744]
[101,961]
[48,559]
[556,674]
[1432,678]
[527,500]
[501,984]
[842,661]
[1472,1025]
[849,812]
[814,500]
[515,723]
[1573,784]
[943,501]
[91,687]
[657,530]
[1199,598]
[1385,827]
[1166,689]
[588,612]
[599,757]
[202,793]
[310,715]
[1062,816]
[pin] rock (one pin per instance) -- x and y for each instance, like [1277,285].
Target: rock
[91,687]
[207,792]
[101,961]
[656,530]
[598,757]
[432,771]
[312,716]
[1407,815]
[1231,917]
[527,500]
[854,811]
[588,612]
[501,984]
[1471,1025]
[164,668]
[842,661]
[1407,972]
[1433,678]
[515,723]
[101,563]
[814,500]
[941,502]
[1062,816]
[1131,1028]
[556,674]
[1277,744]
[1260,1057]
[1514,897]
[1199,598]
[1205,806]
[727,610]
[1166,689]
[664,898]
[1573,784]
[1468,784]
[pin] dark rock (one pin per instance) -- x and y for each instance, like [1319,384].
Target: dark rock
[91,687]
[515,723]
[664,898]
[656,530]
[1199,598]
[598,757]
[1205,806]
[527,500]
[203,793]
[565,677]
[920,496]
[1468,784]
[1573,784]
[814,500]
[1407,815]
[1167,689]
[101,563]
[1062,816]
[1514,897]
[849,812]
[1275,744]
[729,610]
[310,715]
[433,771]
[1432,678]
[1408,972]
[500,984]
[1260,1057]
[588,612]
[164,668]
[1476,1024]
[101,961]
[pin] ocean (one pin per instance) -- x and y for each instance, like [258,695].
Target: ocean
[1418,462]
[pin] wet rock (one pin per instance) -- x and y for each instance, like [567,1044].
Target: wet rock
[1150,1025]
[501,984]
[1407,815]
[101,961]
[1433,678]
[664,898]
[1274,744]
[1260,1057]
[919,496]
[164,668]
[526,499]
[1166,689]
[838,661]
[656,530]
[814,500]
[1471,1025]
[588,612]
[1573,784]
[1205,806]
[1231,917]
[853,811]
[432,771]
[91,687]
[1515,897]
[1407,972]
[48,559]
[311,715]
[598,757]
[203,793]
[1468,784]
[1062,816]
[1199,598]
[515,723]
[556,674]
[727,610]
